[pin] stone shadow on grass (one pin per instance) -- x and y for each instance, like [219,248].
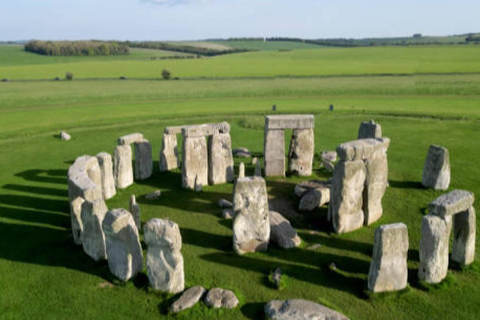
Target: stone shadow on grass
[254,310]
[58,176]
[37,190]
[207,240]
[406,184]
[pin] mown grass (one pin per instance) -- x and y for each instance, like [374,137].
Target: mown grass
[342,61]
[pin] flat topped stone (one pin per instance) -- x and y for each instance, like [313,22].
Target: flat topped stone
[203,130]
[298,309]
[173,130]
[290,121]
[130,138]
[362,149]
[451,203]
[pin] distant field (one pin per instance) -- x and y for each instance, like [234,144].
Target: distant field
[203,44]
[268,45]
[335,61]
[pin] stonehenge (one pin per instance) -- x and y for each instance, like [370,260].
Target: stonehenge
[300,155]
[221,298]
[359,183]
[369,130]
[188,299]
[122,166]
[92,237]
[436,170]
[143,159]
[452,210]
[388,269]
[298,309]
[281,231]
[251,225]
[220,159]
[135,211]
[106,171]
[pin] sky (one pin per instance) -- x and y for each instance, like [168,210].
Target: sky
[206,19]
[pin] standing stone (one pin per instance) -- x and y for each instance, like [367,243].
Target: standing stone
[464,229]
[251,227]
[136,212]
[195,163]
[274,155]
[169,154]
[93,238]
[436,170]
[220,159]
[106,169]
[122,166]
[369,130]
[241,170]
[143,159]
[281,231]
[164,259]
[434,248]
[258,169]
[297,309]
[388,270]
[124,251]
[300,155]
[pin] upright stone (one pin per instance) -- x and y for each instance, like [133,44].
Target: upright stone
[143,159]
[106,169]
[220,158]
[136,212]
[300,155]
[241,170]
[274,154]
[434,248]
[251,227]
[388,270]
[369,130]
[258,169]
[124,251]
[164,259]
[195,162]
[93,238]
[464,229]
[436,170]
[169,153]
[122,166]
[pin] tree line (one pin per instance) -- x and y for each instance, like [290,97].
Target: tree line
[77,48]
[201,51]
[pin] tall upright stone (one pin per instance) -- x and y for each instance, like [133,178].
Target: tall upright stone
[274,155]
[169,154]
[369,130]
[434,248]
[436,170]
[143,159]
[195,160]
[124,251]
[164,259]
[122,166]
[93,237]
[258,169]
[106,169]
[136,212]
[464,231]
[241,170]
[220,159]
[300,155]
[389,270]
[251,227]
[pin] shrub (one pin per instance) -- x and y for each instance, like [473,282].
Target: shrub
[166,74]
[69,76]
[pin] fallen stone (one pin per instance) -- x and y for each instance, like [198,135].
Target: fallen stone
[241,153]
[369,130]
[221,298]
[135,211]
[436,170]
[153,195]
[389,270]
[228,213]
[328,156]
[300,154]
[254,161]
[143,159]
[93,238]
[281,232]
[298,309]
[122,166]
[106,169]
[188,299]
[130,138]
[124,251]
[222,203]
[64,136]
[314,199]
[277,278]
[220,159]
[451,203]
[305,187]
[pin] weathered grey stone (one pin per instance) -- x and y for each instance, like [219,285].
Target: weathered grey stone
[434,248]
[106,169]
[136,212]
[346,199]
[329,167]
[451,203]
[93,238]
[314,199]
[290,121]
[241,153]
[258,169]
[122,166]
[305,187]
[64,136]
[222,203]
[220,159]
[274,153]
[464,229]
[436,170]
[169,154]
[362,149]
[221,298]
[300,154]
[297,309]
[251,227]
[328,156]
[281,231]
[203,130]
[195,163]
[369,130]
[255,161]
[228,213]
[143,159]
[241,170]
[188,299]
[375,185]
[153,195]
[164,259]
[124,252]
[130,138]
[173,130]
[389,270]
[277,277]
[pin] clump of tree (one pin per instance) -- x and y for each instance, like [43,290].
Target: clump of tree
[473,38]
[166,74]
[203,51]
[77,48]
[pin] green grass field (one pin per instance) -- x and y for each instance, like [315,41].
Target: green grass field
[267,45]
[45,276]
